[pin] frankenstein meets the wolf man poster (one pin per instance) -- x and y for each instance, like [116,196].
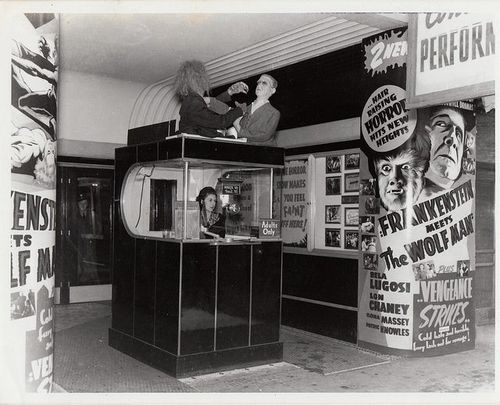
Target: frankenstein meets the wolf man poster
[415,291]
[33,115]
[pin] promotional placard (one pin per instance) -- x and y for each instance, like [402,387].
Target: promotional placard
[35,62]
[269,229]
[451,57]
[294,208]
[417,177]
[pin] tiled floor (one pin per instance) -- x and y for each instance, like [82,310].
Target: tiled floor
[83,362]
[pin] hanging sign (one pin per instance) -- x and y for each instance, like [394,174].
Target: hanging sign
[451,57]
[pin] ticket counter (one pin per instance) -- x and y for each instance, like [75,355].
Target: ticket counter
[184,303]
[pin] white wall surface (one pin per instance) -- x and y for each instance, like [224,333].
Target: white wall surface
[95,108]
[335,131]
[88,149]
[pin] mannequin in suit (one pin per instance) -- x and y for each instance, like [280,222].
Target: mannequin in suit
[261,119]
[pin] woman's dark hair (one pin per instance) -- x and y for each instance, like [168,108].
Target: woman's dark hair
[203,194]
[191,77]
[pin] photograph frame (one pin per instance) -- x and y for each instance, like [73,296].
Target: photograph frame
[370,261]
[368,243]
[372,205]
[350,199]
[335,241]
[351,161]
[351,186]
[337,216]
[347,234]
[333,164]
[367,186]
[367,223]
[330,187]
[351,220]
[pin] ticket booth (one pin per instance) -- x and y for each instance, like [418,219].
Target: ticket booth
[182,302]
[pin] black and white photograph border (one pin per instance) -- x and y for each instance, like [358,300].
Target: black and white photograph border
[304,375]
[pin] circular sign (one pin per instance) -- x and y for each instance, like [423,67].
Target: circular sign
[385,121]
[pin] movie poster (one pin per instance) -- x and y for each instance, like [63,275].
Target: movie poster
[293,191]
[417,186]
[34,77]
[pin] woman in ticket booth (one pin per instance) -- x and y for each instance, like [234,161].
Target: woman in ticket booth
[212,223]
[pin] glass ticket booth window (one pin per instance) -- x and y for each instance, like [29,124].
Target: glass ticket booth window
[159,200]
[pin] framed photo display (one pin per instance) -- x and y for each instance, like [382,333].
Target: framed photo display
[367,187]
[351,182]
[332,237]
[367,223]
[370,261]
[350,199]
[332,214]
[333,164]
[351,240]
[369,243]
[351,161]
[372,205]
[351,216]
[332,185]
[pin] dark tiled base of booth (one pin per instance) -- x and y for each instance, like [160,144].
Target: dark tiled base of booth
[188,365]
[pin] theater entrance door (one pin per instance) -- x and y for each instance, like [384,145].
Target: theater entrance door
[84,234]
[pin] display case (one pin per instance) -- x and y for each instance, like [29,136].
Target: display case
[319,191]
[320,203]
[188,299]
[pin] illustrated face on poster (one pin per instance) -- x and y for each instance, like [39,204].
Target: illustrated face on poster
[399,177]
[423,163]
[34,106]
[429,161]
[447,136]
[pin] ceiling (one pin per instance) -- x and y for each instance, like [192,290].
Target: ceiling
[148,48]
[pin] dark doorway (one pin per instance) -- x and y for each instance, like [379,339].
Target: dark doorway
[84,225]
